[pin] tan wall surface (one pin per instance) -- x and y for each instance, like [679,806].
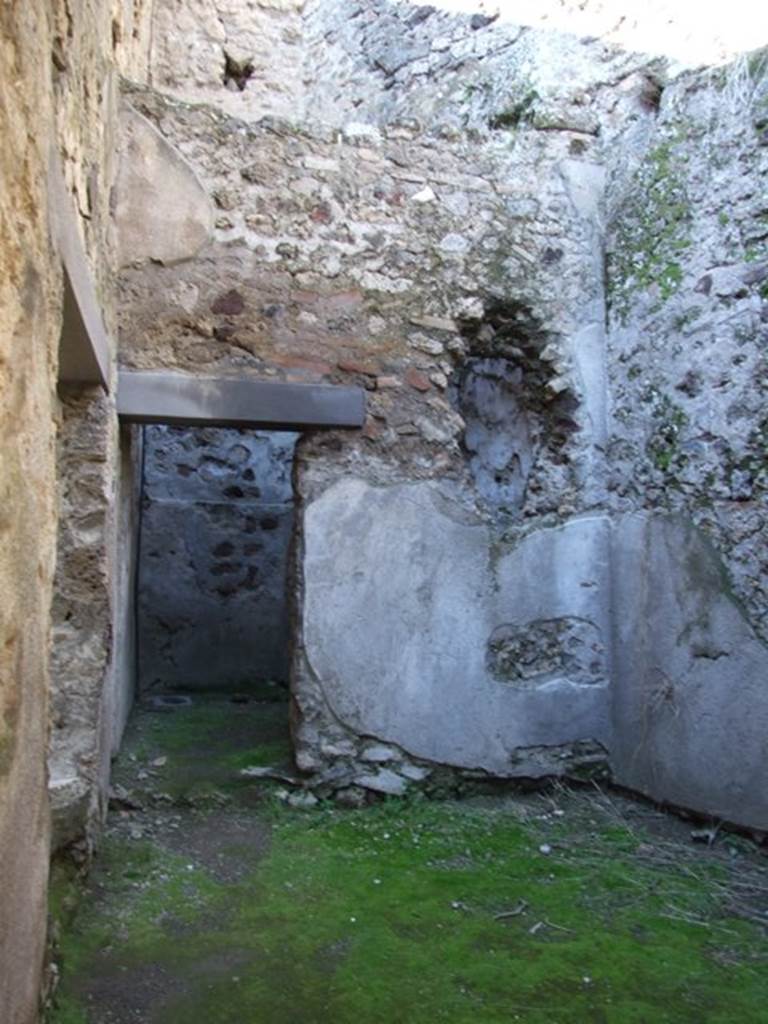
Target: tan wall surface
[57,82]
[29,324]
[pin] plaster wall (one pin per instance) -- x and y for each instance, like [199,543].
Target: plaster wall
[690,709]
[408,609]
[609,645]
[120,690]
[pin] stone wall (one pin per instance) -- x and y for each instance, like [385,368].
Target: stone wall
[408,262]
[30,302]
[423,211]
[82,609]
[688,267]
[687,251]
[57,90]
[216,526]
[469,64]
[91,677]
[360,256]
[93,657]
[384,61]
[244,58]
[335,61]
[444,247]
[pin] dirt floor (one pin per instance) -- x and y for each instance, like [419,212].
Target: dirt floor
[212,901]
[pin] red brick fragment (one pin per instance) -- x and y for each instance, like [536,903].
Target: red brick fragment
[418,380]
[321,214]
[372,430]
[349,299]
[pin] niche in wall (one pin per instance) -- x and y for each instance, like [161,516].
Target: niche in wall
[517,422]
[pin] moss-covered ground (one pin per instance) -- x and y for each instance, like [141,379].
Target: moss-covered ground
[217,904]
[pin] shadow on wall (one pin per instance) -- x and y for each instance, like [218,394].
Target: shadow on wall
[217,520]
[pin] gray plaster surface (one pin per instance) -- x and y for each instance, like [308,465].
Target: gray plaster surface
[175,398]
[691,676]
[120,690]
[402,600]
[612,634]
[216,526]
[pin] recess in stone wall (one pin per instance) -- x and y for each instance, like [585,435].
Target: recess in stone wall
[517,412]
[547,649]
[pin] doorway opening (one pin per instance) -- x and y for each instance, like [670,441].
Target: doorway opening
[217,516]
[212,593]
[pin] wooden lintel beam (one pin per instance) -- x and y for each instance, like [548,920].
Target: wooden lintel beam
[145,396]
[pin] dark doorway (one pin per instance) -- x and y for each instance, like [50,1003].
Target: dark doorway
[217,515]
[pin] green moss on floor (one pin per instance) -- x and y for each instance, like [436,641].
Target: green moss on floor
[194,751]
[552,910]
[210,901]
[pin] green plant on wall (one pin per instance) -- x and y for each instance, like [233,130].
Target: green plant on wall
[668,420]
[757,65]
[521,112]
[652,232]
